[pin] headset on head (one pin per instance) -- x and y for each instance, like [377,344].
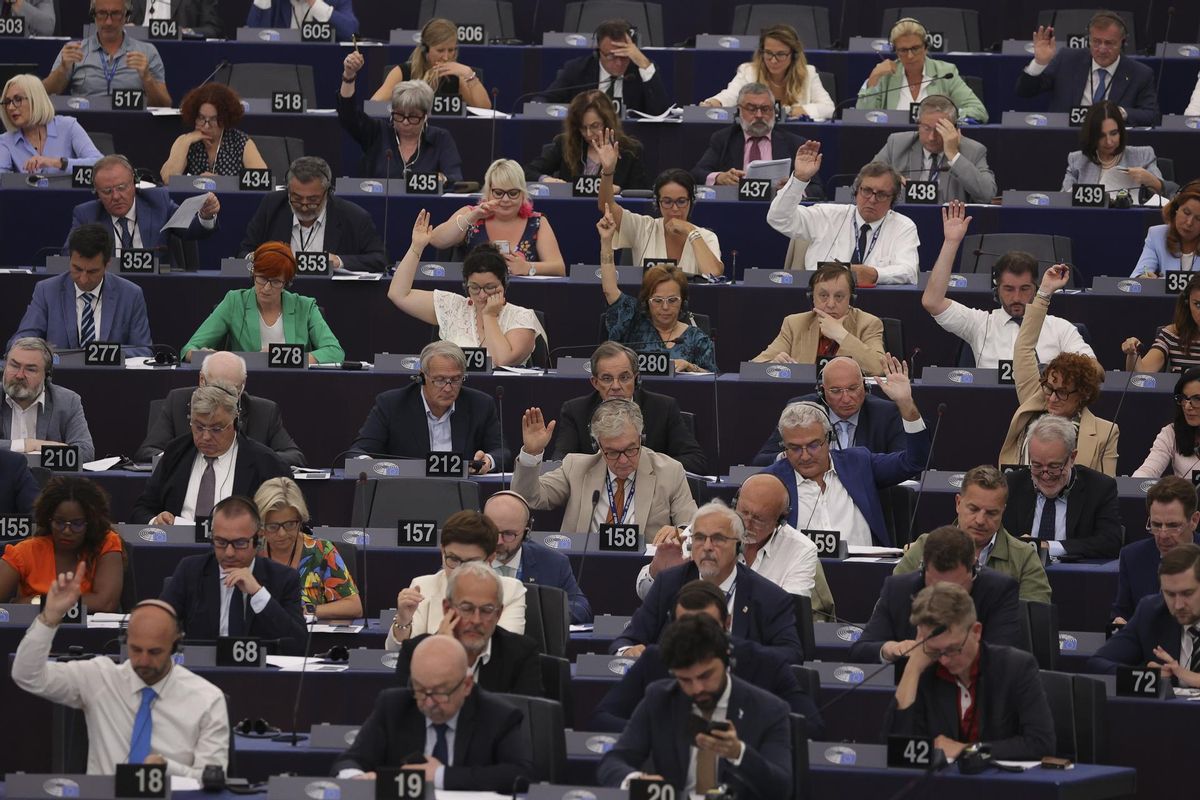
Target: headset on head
[596,444]
[162,605]
[1106,19]
[92,10]
[523,502]
[849,277]
[824,414]
[821,386]
[892,32]
[779,522]
[895,195]
[974,570]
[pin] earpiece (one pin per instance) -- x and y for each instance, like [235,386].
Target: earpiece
[164,606]
[419,379]
[821,390]
[825,276]
[524,502]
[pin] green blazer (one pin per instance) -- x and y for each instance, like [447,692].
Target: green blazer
[1010,556]
[884,93]
[233,325]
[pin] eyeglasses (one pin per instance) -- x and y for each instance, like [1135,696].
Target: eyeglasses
[15,100]
[628,453]
[305,202]
[612,56]
[949,652]
[236,544]
[668,302]
[673,202]
[215,430]
[76,525]
[776,55]
[109,15]
[120,188]
[454,562]
[511,536]
[421,695]
[492,288]
[909,51]
[1049,470]
[1059,393]
[274,283]
[470,609]
[411,119]
[1168,527]
[207,122]
[443,381]
[511,194]
[1191,401]
[753,110]
[716,540]
[609,380]
[839,391]
[812,448]
[595,127]
[874,194]
[289,525]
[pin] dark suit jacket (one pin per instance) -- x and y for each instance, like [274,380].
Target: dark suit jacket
[195,593]
[512,668]
[397,426]
[1137,575]
[752,663]
[762,724]
[879,429]
[1152,625]
[52,315]
[279,15]
[436,153]
[1093,517]
[154,207]
[727,147]
[649,98]
[664,428]
[199,15]
[1014,717]
[1066,76]
[18,489]
[168,484]
[260,419]
[545,567]
[490,748]
[350,234]
[997,606]
[629,173]
[762,612]
[863,473]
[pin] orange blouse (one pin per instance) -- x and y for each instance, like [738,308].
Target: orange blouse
[33,559]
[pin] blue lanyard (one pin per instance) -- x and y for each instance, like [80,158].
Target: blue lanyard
[855,257]
[612,504]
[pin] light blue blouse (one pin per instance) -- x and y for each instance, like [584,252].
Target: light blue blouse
[65,137]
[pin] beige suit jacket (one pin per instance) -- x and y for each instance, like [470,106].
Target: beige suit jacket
[429,614]
[800,333]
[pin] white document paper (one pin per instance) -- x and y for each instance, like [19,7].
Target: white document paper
[776,169]
[101,464]
[187,211]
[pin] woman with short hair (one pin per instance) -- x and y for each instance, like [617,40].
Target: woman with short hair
[37,140]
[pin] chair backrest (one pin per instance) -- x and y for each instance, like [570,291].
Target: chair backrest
[69,742]
[262,80]
[556,683]
[545,727]
[496,16]
[103,141]
[129,593]
[804,625]
[349,553]
[1068,22]
[1043,631]
[1167,167]
[958,26]
[809,680]
[797,248]
[535,624]
[830,82]
[1045,247]
[556,617]
[540,357]
[386,501]
[703,322]
[646,17]
[810,22]
[1091,720]
[801,789]
[1060,697]
[184,253]
[897,504]
[40,476]
[689,421]
[893,336]
[279,152]
[975,84]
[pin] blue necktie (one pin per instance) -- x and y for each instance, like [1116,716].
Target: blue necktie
[143,727]
[87,325]
[126,234]
[845,434]
[441,750]
[1101,85]
[1049,518]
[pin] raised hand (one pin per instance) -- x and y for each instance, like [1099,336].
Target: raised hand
[1055,278]
[422,232]
[535,433]
[896,386]
[808,160]
[605,226]
[138,61]
[63,594]
[72,54]
[351,64]
[607,151]
[1044,45]
[955,221]
[1130,346]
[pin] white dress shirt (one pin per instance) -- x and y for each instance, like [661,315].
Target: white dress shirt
[320,11]
[1187,645]
[618,81]
[97,300]
[24,421]
[832,509]
[157,9]
[439,427]
[1193,106]
[130,215]
[191,726]
[904,97]
[832,229]
[258,601]
[439,778]
[312,238]
[223,471]
[992,335]
[1060,522]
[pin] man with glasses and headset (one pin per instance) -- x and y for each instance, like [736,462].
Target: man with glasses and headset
[215,460]
[435,413]
[311,220]
[1171,520]
[614,376]
[617,67]
[232,592]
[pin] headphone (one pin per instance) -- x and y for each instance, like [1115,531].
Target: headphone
[163,605]
[523,501]
[824,416]
[92,10]
[779,522]
[924,34]
[1107,19]
[974,570]
[854,187]
[999,269]
[255,728]
[424,43]
[812,279]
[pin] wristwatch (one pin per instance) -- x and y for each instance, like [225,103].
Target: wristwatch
[532,269]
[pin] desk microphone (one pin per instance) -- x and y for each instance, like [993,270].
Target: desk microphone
[587,538]
[597,85]
[294,736]
[588,348]
[1166,38]
[941,409]
[499,392]
[387,196]
[224,62]
[938,631]
[495,97]
[360,488]
[849,100]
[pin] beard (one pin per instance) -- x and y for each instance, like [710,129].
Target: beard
[757,128]
[21,392]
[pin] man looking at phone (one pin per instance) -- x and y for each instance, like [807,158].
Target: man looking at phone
[736,734]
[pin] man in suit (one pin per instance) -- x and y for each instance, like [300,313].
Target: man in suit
[1171,520]
[615,377]
[435,413]
[231,592]
[839,489]
[212,462]
[980,512]
[639,485]
[500,661]
[35,411]
[937,151]
[290,13]
[617,67]
[960,689]
[753,137]
[86,304]
[310,219]
[761,611]
[196,18]
[746,741]
[517,556]
[859,418]
[471,739]
[1076,77]
[949,556]
[1165,630]
[18,489]
[749,661]
[258,418]
[1068,509]
[136,216]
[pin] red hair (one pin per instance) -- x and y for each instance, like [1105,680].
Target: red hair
[275,260]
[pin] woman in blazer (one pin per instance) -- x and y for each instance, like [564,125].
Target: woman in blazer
[248,320]
[1103,157]
[573,152]
[896,84]
[1173,246]
[779,63]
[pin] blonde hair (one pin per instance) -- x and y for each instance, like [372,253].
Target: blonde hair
[277,494]
[437,31]
[907,27]
[41,110]
[797,74]
[506,172]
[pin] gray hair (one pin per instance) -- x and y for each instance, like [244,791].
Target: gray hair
[1049,428]
[207,399]
[310,168]
[409,95]
[802,413]
[206,370]
[35,343]
[939,104]
[611,349]
[115,160]
[876,169]
[611,417]
[717,508]
[475,569]
[443,349]
[754,87]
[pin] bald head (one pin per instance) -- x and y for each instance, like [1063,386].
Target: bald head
[438,659]
[762,500]
[152,633]
[842,382]
[225,368]
[512,518]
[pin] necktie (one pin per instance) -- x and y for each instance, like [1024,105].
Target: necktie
[611,91]
[87,325]
[618,502]
[935,167]
[861,252]
[126,234]
[1101,85]
[506,571]
[441,750]
[755,150]
[206,496]
[845,434]
[237,613]
[1049,514]
[143,727]
[706,767]
[1195,663]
